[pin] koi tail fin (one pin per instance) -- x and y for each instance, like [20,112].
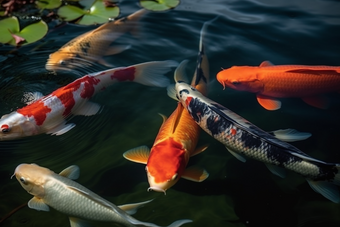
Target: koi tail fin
[328,189]
[174,224]
[201,75]
[152,73]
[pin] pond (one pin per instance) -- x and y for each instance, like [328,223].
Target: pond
[235,193]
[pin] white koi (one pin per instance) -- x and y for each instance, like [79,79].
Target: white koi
[67,196]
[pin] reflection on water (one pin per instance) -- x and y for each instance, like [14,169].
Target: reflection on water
[235,194]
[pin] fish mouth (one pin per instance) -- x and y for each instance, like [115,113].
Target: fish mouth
[156,189]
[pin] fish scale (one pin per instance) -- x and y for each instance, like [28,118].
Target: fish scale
[250,145]
[79,205]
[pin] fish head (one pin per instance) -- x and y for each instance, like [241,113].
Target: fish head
[32,178]
[61,59]
[185,93]
[15,126]
[241,78]
[165,165]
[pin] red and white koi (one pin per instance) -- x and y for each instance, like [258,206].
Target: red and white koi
[48,114]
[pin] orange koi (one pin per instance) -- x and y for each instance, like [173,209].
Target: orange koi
[93,45]
[270,81]
[177,138]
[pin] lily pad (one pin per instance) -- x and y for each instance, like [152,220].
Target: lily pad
[97,13]
[159,5]
[70,13]
[48,4]
[10,32]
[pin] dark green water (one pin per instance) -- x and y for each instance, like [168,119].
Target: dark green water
[235,194]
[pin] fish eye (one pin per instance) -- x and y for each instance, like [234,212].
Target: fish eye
[5,128]
[22,180]
[184,90]
[61,62]
[192,88]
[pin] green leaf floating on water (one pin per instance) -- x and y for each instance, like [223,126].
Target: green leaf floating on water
[70,13]
[10,32]
[159,5]
[48,4]
[95,13]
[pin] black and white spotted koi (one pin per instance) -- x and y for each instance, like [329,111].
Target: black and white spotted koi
[242,138]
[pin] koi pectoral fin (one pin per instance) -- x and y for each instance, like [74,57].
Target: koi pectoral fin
[61,129]
[199,150]
[38,204]
[195,173]
[171,91]
[139,154]
[278,171]
[87,109]
[237,155]
[290,135]
[268,103]
[328,190]
[77,222]
[320,101]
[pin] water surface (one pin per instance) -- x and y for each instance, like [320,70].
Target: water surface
[235,194]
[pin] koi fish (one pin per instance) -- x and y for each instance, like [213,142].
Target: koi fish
[95,44]
[270,82]
[69,197]
[242,138]
[177,138]
[48,114]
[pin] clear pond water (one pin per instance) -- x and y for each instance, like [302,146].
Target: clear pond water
[235,194]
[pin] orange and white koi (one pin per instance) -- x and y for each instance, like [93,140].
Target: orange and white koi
[48,114]
[177,138]
[270,82]
[93,45]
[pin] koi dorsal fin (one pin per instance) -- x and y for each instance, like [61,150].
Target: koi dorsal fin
[266,63]
[176,119]
[71,172]
[317,72]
